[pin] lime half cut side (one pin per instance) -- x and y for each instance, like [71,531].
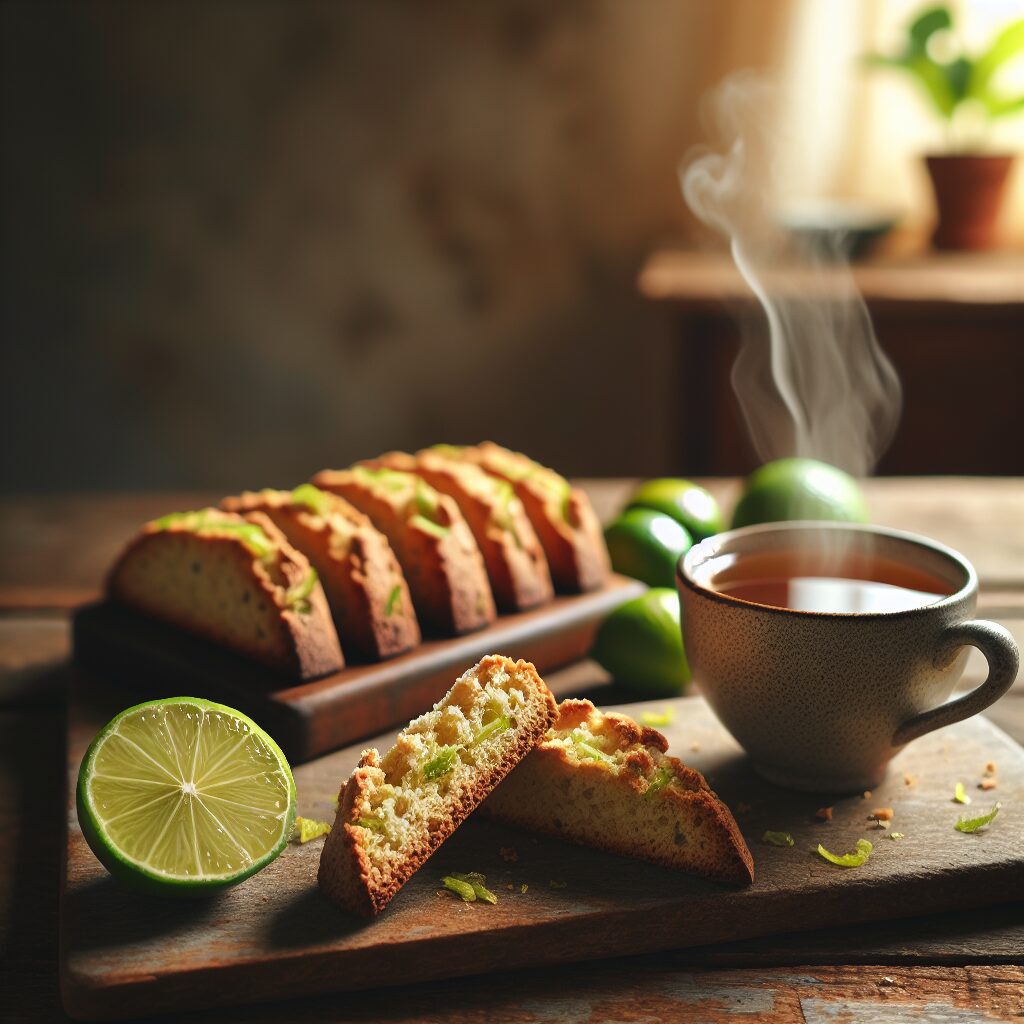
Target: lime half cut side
[185,797]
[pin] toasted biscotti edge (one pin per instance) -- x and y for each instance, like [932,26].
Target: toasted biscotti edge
[308,642]
[533,794]
[346,870]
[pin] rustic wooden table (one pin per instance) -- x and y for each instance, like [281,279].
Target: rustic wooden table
[954,967]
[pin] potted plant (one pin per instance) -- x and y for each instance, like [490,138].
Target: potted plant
[968,183]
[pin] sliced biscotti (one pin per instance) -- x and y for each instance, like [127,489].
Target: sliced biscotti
[428,533]
[602,780]
[396,810]
[561,514]
[234,580]
[364,583]
[515,560]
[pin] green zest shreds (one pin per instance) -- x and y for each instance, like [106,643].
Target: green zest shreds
[442,764]
[312,497]
[393,600]
[777,839]
[469,886]
[973,824]
[661,778]
[667,717]
[960,794]
[305,829]
[209,521]
[297,596]
[495,728]
[849,860]
[428,526]
[896,835]
[373,824]
[586,749]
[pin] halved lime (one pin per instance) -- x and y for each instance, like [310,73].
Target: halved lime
[184,797]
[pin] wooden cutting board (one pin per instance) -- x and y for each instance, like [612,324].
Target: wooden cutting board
[273,937]
[308,718]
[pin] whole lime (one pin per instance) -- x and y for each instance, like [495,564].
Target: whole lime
[687,503]
[647,545]
[641,645]
[799,489]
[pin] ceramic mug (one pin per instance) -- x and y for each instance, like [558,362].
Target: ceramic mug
[822,701]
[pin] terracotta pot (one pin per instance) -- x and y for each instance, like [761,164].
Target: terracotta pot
[969,191]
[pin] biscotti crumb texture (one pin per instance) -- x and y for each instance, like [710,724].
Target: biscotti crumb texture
[602,780]
[364,584]
[234,580]
[396,810]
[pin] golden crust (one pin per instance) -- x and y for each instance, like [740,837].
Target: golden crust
[681,825]
[562,516]
[365,587]
[516,565]
[348,874]
[252,593]
[443,565]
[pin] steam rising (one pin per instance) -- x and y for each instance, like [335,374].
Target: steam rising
[815,383]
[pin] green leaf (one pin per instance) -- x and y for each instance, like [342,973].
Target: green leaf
[441,764]
[1004,108]
[926,24]
[849,860]
[1009,43]
[777,839]
[973,824]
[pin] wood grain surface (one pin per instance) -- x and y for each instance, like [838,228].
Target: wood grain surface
[275,936]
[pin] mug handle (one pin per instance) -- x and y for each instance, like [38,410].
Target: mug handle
[996,643]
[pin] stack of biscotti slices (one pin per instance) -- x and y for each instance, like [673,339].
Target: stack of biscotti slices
[595,779]
[396,810]
[602,780]
[362,579]
[430,536]
[512,554]
[561,514]
[234,580]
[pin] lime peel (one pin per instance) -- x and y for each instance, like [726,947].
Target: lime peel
[306,829]
[960,794]
[666,717]
[973,824]
[849,860]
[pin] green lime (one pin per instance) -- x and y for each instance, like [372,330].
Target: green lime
[647,545]
[184,797]
[799,489]
[641,645]
[690,505]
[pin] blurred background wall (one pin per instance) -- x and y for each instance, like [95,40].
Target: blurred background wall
[243,240]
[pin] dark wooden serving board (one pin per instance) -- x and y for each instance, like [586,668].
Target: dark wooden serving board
[275,937]
[310,718]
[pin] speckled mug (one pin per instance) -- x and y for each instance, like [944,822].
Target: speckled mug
[822,701]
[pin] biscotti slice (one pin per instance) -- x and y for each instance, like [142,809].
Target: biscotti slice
[236,581]
[361,577]
[515,561]
[561,514]
[428,533]
[602,780]
[395,811]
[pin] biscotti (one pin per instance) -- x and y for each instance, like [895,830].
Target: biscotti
[395,811]
[361,577]
[514,558]
[561,514]
[236,581]
[429,535]
[602,780]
